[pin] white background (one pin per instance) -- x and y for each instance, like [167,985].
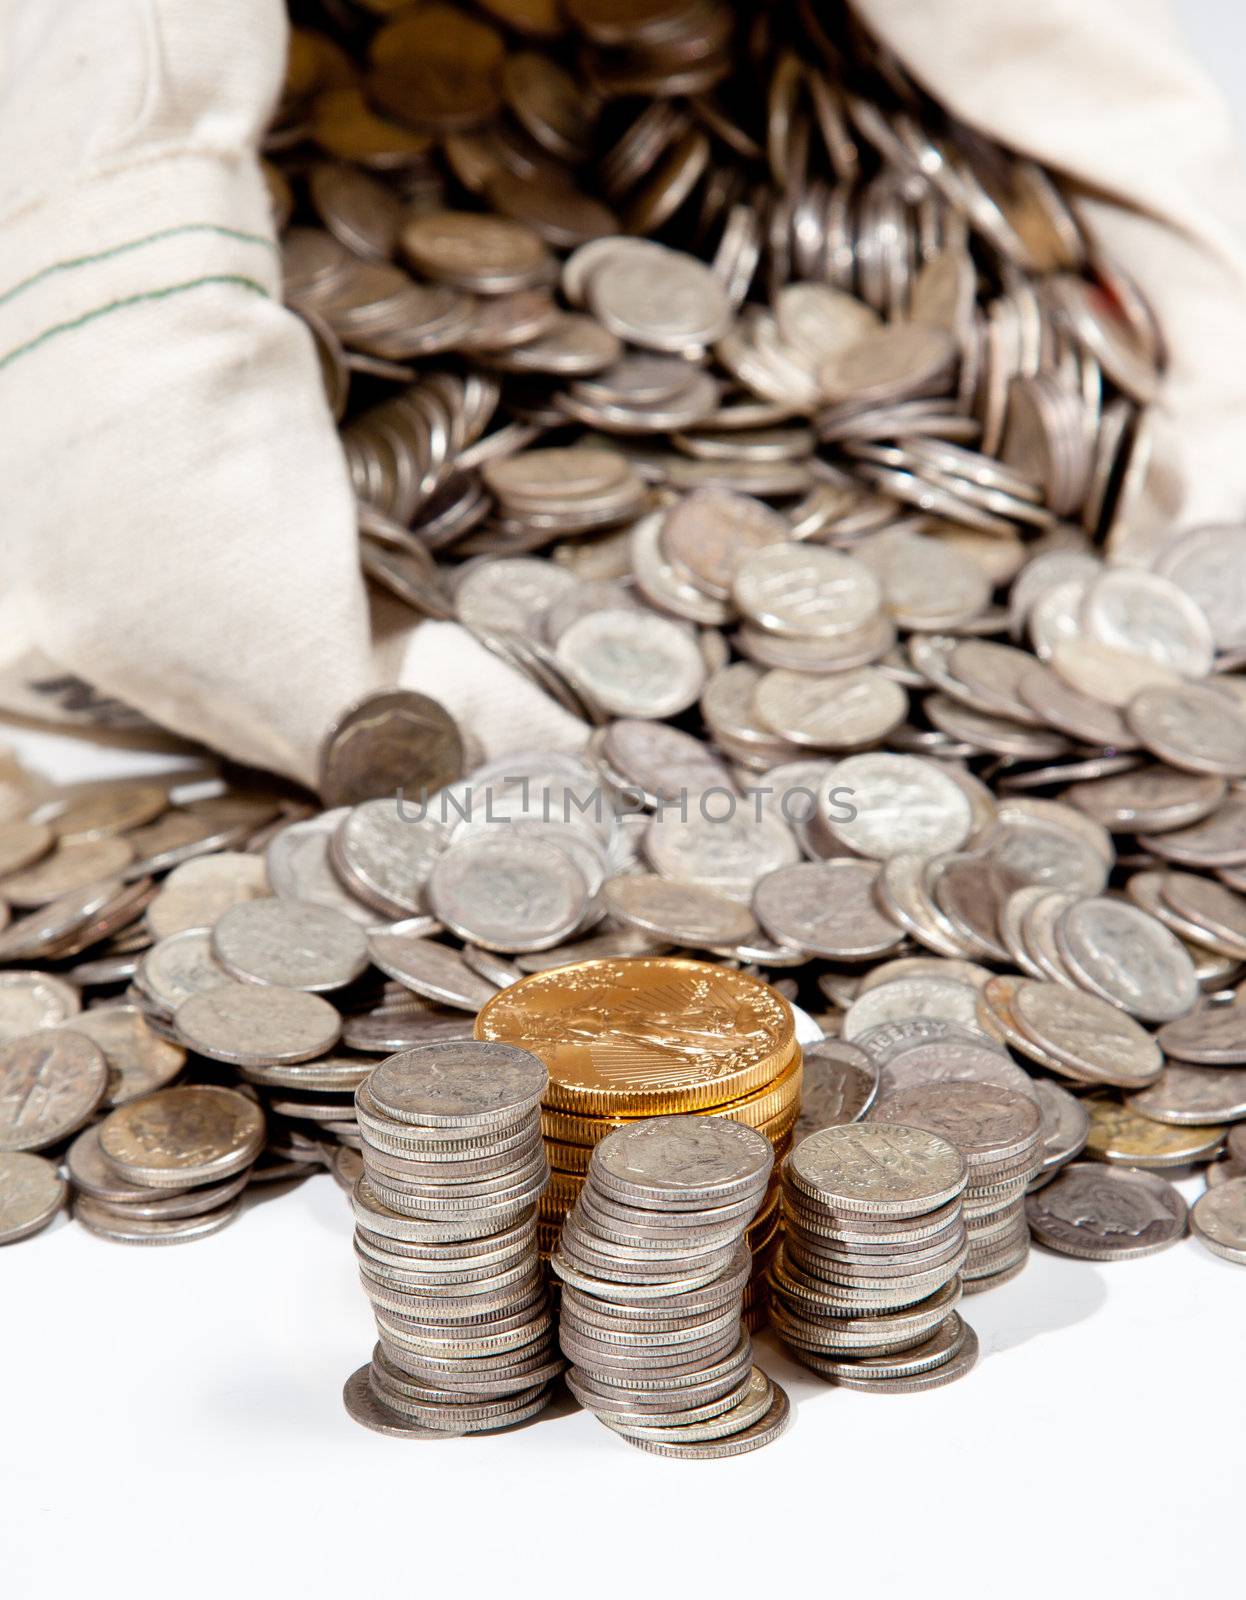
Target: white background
[171,1422]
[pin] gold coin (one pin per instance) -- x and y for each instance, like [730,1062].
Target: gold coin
[775,1100]
[1127,1138]
[645,1036]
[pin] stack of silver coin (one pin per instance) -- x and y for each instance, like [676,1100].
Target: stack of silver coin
[446,1242]
[653,1263]
[865,1285]
[167,1168]
[997,1131]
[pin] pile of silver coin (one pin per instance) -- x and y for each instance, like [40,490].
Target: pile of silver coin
[996,1130]
[141,1176]
[653,1266]
[445,1240]
[867,1279]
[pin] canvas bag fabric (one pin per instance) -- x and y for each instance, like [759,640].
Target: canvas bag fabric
[178,526]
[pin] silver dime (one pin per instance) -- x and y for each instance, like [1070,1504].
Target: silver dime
[879,1170]
[1127,958]
[50,1083]
[291,943]
[33,1000]
[118,1226]
[1218,1220]
[921,996]
[253,1024]
[728,848]
[1098,1042]
[430,968]
[681,913]
[385,850]
[951,1060]
[753,1436]
[1186,1095]
[828,908]
[178,1138]
[897,804]
[1106,1213]
[469,1082]
[679,1159]
[632,663]
[1192,726]
[1065,1124]
[179,966]
[806,591]
[298,865]
[987,1123]
[525,894]
[1213,1036]
[199,892]
[854,709]
[838,1087]
[139,1061]
[31,1193]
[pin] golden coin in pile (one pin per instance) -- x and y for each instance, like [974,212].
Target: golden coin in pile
[625,1040]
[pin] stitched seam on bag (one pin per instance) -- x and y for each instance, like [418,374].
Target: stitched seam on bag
[134,244]
[130,300]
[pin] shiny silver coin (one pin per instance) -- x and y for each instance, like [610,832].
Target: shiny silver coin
[290,943]
[1218,1220]
[254,1024]
[1105,1213]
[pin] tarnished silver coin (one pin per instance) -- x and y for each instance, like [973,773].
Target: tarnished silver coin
[682,913]
[986,1123]
[474,1081]
[178,1138]
[199,892]
[883,805]
[291,943]
[113,1223]
[384,852]
[828,908]
[1213,1036]
[50,1083]
[390,743]
[1106,1213]
[139,1061]
[175,968]
[754,1436]
[877,1169]
[1097,1042]
[31,1193]
[838,1087]
[1187,1095]
[33,1000]
[1065,1124]
[951,1059]
[254,1024]
[71,865]
[509,895]
[1128,958]
[1218,1220]
[430,968]
[674,1160]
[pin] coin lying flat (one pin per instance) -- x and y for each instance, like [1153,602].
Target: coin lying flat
[290,943]
[31,1193]
[50,1083]
[112,1224]
[71,865]
[255,1024]
[33,1000]
[177,1138]
[1105,1213]
[1124,1137]
[1213,1036]
[521,894]
[1218,1220]
[1194,1095]
[684,913]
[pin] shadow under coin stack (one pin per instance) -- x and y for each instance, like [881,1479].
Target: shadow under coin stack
[866,1282]
[446,1242]
[654,1266]
[168,1168]
[647,1037]
[997,1131]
